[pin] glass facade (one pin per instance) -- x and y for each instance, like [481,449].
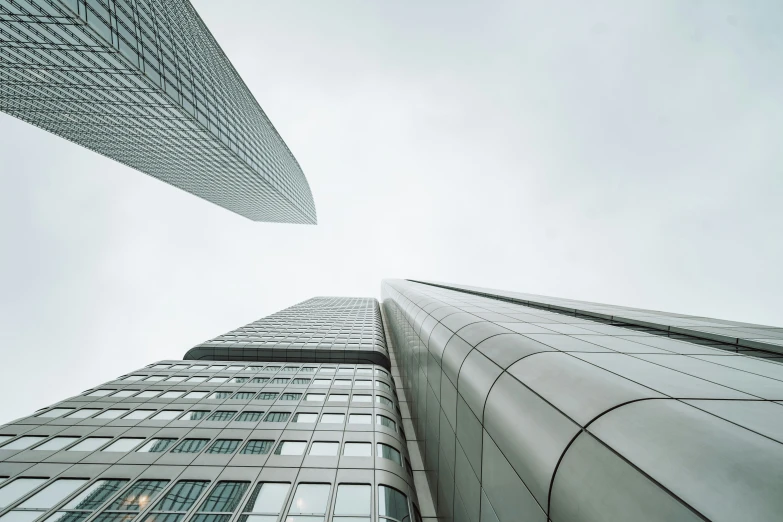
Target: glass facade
[145,83]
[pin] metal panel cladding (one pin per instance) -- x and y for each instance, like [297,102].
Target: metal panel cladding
[145,83]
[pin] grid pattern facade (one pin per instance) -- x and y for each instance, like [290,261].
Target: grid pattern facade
[218,442]
[522,413]
[320,329]
[145,83]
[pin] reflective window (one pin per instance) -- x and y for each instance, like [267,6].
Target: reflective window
[306,417]
[386,421]
[307,369]
[55,412]
[194,415]
[342,382]
[387,452]
[338,397]
[52,494]
[322,382]
[124,393]
[158,366]
[99,393]
[110,414]
[290,396]
[333,418]
[300,381]
[277,416]
[179,366]
[224,446]
[196,395]
[290,447]
[392,504]
[218,379]
[221,395]
[249,416]
[139,495]
[235,368]
[131,378]
[139,414]
[239,380]
[56,443]
[123,444]
[359,418]
[18,488]
[362,398]
[90,444]
[167,415]
[363,383]
[198,367]
[279,380]
[217,367]
[354,503]
[156,446]
[222,415]
[383,386]
[148,393]
[364,371]
[310,499]
[197,378]
[260,380]
[94,496]
[357,449]
[384,400]
[244,396]
[176,378]
[258,447]
[324,449]
[155,378]
[182,496]
[23,442]
[172,394]
[225,497]
[83,413]
[266,502]
[315,397]
[190,446]
[266,396]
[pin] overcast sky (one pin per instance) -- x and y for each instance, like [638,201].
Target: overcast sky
[620,152]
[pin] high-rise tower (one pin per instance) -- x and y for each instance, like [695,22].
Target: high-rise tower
[145,83]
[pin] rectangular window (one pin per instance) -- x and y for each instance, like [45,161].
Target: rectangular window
[196,395]
[277,416]
[224,498]
[380,399]
[267,499]
[83,413]
[99,393]
[111,414]
[123,445]
[224,446]
[148,393]
[310,499]
[23,442]
[18,488]
[94,496]
[243,396]
[190,446]
[260,380]
[386,422]
[172,395]
[392,504]
[279,380]
[362,398]
[139,414]
[194,415]
[167,415]
[290,396]
[124,393]
[182,496]
[55,412]
[324,449]
[315,397]
[179,366]
[235,368]
[52,494]
[357,449]
[132,378]
[322,382]
[155,378]
[249,416]
[222,415]
[342,382]
[156,446]
[139,495]
[90,444]
[300,381]
[198,367]
[258,447]
[197,378]
[56,443]
[221,395]
[359,418]
[387,452]
[218,379]
[306,417]
[253,368]
[338,397]
[363,383]
[176,378]
[290,447]
[239,380]
[353,500]
[333,418]
[383,386]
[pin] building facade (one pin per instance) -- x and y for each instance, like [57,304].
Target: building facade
[145,83]
[446,403]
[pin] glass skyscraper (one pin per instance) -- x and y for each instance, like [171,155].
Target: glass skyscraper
[445,402]
[145,83]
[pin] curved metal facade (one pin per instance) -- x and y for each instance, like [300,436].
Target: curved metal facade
[524,414]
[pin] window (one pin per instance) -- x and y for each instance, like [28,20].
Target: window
[290,369]
[218,379]
[56,443]
[267,499]
[342,382]
[327,369]
[307,369]
[357,449]
[224,446]
[322,382]
[222,415]
[387,452]
[338,397]
[94,496]
[172,395]
[139,414]
[300,381]
[124,393]
[158,366]
[138,496]
[333,418]
[315,397]
[392,505]
[279,380]
[290,447]
[55,412]
[383,386]
[180,498]
[239,380]
[364,371]
[176,378]
[132,378]
[359,418]
[362,398]
[197,378]
[90,444]
[190,446]
[386,421]
[196,395]
[235,368]
[253,368]
[310,499]
[221,395]
[167,415]
[123,445]
[266,396]
[324,449]
[345,370]
[353,503]
[18,488]
[99,393]
[224,498]
[51,495]
[306,417]
[244,396]
[156,446]
[23,442]
[198,367]
[260,380]
[277,416]
[179,366]
[217,367]
[271,368]
[249,416]
[194,415]
[83,413]
[381,373]
[360,383]
[155,378]
[148,393]
[384,400]
[290,396]
[257,447]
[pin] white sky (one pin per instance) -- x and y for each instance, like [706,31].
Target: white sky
[620,152]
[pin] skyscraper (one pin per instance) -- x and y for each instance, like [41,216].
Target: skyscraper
[448,403]
[145,83]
